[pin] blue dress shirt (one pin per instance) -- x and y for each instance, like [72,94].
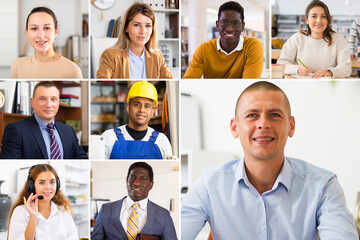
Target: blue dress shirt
[46,136]
[137,65]
[306,202]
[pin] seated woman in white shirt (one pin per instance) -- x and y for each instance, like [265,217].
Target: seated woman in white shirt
[42,211]
[324,52]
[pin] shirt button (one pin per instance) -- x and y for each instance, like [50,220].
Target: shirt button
[262,228]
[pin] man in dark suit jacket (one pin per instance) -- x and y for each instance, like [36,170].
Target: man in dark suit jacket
[28,139]
[111,222]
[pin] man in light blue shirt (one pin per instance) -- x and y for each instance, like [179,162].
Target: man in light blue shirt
[266,195]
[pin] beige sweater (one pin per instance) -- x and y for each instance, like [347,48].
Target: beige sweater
[316,54]
[29,67]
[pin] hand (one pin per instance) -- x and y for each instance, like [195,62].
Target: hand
[320,74]
[304,71]
[353,56]
[31,205]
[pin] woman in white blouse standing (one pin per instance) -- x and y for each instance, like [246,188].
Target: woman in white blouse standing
[324,52]
[42,211]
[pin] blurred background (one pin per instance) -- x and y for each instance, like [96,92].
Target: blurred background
[106,19]
[74,179]
[326,132]
[71,41]
[108,183]
[198,25]
[108,111]
[288,18]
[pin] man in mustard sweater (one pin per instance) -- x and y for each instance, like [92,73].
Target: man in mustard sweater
[231,55]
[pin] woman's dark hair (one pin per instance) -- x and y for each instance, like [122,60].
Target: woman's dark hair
[328,31]
[42,9]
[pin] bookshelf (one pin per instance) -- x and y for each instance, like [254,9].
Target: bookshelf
[184,49]
[77,113]
[6,118]
[74,176]
[167,30]
[291,24]
[108,105]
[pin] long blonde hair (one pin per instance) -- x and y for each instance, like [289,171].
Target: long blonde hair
[59,198]
[123,42]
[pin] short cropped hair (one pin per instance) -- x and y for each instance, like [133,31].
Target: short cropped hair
[46,84]
[232,5]
[141,165]
[266,87]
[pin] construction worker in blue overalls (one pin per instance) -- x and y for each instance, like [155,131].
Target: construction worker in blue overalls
[136,140]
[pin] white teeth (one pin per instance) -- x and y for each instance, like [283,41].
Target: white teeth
[263,139]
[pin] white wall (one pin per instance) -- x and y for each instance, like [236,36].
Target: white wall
[327,115]
[109,182]
[68,13]
[8,172]
[338,7]
[100,19]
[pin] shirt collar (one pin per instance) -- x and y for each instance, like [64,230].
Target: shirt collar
[284,176]
[42,123]
[239,47]
[132,55]
[129,202]
[54,210]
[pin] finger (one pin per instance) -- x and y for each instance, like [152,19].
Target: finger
[25,203]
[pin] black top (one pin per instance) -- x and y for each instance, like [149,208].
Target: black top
[136,135]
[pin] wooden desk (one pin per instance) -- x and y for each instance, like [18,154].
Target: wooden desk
[6,118]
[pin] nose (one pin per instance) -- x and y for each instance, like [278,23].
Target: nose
[137,182]
[230,27]
[48,102]
[263,123]
[41,33]
[142,29]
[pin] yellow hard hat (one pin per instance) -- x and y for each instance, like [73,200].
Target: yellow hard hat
[143,89]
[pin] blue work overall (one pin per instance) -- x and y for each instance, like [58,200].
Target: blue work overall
[130,149]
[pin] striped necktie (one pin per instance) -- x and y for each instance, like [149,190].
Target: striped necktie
[54,146]
[133,223]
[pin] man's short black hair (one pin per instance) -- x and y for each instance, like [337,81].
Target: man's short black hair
[141,165]
[46,84]
[232,5]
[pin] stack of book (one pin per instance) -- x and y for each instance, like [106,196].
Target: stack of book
[70,100]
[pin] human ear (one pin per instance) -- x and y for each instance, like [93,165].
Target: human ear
[292,126]
[233,128]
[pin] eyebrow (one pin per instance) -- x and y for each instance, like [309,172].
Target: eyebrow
[43,180]
[46,24]
[145,23]
[271,110]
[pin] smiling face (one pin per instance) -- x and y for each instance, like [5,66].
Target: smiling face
[45,185]
[41,32]
[140,112]
[46,103]
[138,184]
[229,34]
[139,30]
[317,21]
[263,124]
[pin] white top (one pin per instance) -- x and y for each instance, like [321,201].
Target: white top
[126,211]
[59,225]
[161,141]
[316,54]
[239,47]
